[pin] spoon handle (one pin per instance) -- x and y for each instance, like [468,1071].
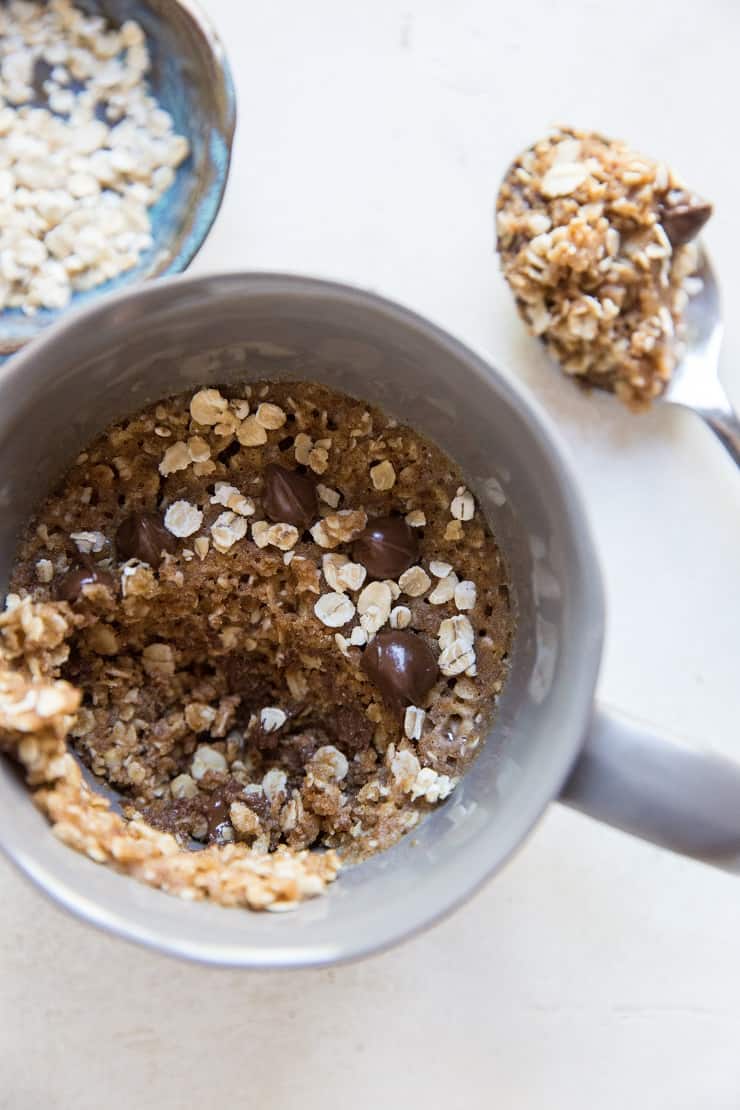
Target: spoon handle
[724,422]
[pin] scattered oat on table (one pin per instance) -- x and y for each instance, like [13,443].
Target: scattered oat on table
[597,245]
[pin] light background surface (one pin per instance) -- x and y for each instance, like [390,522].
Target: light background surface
[595,972]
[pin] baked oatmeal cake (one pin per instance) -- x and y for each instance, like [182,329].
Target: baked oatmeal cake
[597,244]
[272,620]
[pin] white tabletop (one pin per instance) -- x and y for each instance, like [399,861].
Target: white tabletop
[596,971]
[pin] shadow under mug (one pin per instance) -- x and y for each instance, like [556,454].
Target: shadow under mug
[548,740]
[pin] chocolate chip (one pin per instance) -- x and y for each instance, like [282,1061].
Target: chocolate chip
[402,666]
[289,497]
[683,215]
[69,588]
[217,814]
[143,536]
[387,547]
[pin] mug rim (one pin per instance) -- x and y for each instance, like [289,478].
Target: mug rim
[579,530]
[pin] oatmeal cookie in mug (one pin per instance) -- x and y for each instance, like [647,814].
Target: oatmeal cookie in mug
[273,620]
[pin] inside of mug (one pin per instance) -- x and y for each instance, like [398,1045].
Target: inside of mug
[221,331]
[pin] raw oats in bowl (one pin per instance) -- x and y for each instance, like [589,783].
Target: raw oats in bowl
[116,123]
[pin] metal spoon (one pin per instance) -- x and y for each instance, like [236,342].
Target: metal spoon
[695,383]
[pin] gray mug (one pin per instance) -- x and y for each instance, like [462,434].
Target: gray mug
[548,740]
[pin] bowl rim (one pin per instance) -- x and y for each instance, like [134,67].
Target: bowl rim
[228,121]
[566,743]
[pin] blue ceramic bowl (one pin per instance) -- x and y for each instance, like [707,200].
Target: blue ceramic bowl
[190,77]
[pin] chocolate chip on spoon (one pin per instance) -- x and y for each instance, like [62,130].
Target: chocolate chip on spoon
[144,536]
[387,547]
[683,215]
[289,497]
[70,587]
[402,666]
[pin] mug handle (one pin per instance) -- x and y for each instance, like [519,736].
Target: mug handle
[662,790]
